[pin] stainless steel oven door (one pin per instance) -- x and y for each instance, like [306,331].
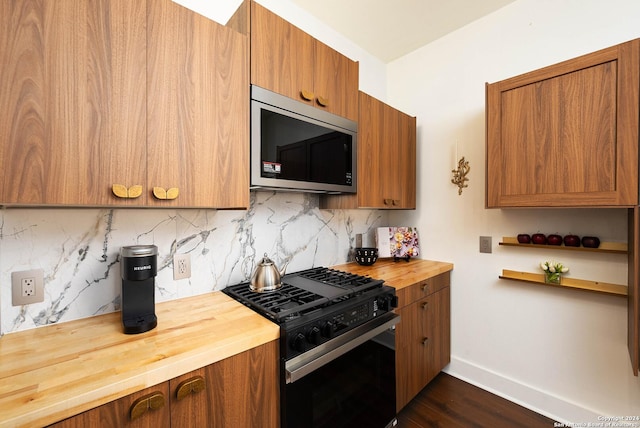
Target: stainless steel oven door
[350,384]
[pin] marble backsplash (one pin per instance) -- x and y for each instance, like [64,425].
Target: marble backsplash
[78,249]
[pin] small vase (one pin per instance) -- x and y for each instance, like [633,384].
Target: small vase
[552,278]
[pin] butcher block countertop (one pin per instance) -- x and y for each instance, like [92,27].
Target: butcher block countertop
[399,274]
[50,373]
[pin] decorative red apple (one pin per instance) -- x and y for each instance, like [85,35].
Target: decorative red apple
[539,238]
[554,239]
[523,238]
[572,240]
[590,242]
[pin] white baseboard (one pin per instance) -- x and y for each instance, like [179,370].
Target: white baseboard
[541,402]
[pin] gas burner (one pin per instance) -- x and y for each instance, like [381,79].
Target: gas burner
[303,292]
[336,278]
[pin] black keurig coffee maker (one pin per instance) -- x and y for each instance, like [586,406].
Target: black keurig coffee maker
[139,267]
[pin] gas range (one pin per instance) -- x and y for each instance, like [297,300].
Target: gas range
[337,347]
[316,305]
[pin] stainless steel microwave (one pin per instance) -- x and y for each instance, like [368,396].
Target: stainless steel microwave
[295,146]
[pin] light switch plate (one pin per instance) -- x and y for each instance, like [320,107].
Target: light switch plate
[485,244]
[27,287]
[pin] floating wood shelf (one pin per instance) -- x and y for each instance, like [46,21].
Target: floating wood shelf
[605,247]
[567,282]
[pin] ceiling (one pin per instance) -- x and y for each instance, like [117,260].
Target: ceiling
[389,29]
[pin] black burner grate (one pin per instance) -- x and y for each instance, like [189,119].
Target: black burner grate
[323,287]
[339,278]
[284,303]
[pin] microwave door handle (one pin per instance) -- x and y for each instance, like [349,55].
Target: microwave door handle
[302,365]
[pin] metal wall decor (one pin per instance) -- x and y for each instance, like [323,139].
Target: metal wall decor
[460,174]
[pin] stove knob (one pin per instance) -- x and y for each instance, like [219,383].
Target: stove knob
[313,336]
[328,329]
[388,302]
[298,343]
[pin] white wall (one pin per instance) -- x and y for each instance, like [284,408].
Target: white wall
[561,352]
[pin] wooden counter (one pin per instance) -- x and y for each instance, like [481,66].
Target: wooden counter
[54,372]
[399,274]
[50,373]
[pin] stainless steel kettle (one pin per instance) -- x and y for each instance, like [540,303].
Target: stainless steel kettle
[266,276]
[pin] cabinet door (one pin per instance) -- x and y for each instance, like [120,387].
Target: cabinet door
[282,55]
[335,82]
[198,109]
[386,159]
[240,391]
[399,153]
[118,413]
[633,301]
[73,100]
[566,135]
[372,165]
[406,155]
[438,331]
[412,352]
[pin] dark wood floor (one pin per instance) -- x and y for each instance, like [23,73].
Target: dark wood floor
[449,402]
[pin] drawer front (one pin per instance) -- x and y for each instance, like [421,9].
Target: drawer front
[423,289]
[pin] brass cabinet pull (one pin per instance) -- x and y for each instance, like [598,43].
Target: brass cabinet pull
[396,202]
[152,401]
[322,101]
[425,340]
[126,193]
[172,193]
[190,386]
[162,193]
[306,95]
[424,305]
[388,201]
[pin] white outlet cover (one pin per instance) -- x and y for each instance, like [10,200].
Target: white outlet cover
[181,266]
[17,299]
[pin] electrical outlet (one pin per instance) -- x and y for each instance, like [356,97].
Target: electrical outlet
[485,244]
[181,266]
[27,287]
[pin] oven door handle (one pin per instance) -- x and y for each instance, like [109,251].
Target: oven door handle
[300,366]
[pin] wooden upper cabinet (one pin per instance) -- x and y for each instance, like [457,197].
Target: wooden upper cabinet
[144,95]
[73,100]
[198,109]
[286,60]
[566,135]
[386,160]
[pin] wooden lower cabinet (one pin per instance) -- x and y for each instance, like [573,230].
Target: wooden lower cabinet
[118,413]
[240,391]
[423,336]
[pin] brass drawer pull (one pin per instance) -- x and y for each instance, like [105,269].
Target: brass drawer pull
[425,287]
[425,340]
[190,386]
[126,193]
[388,201]
[424,305]
[152,401]
[161,193]
[323,101]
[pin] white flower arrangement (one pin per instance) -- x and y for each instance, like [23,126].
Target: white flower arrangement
[553,270]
